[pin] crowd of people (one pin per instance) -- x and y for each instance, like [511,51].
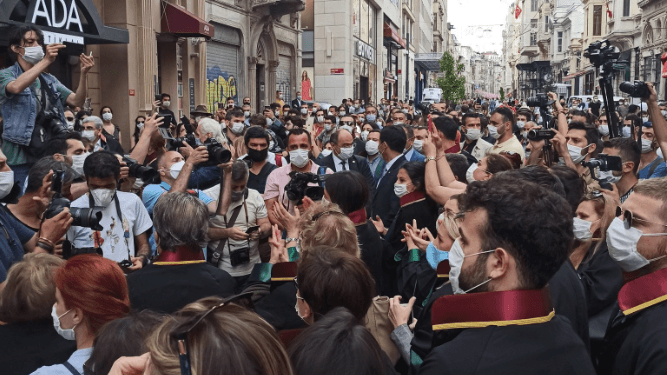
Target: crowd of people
[479,237]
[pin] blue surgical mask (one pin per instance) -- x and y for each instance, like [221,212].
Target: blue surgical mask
[434,255]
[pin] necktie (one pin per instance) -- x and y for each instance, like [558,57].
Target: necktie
[342,162]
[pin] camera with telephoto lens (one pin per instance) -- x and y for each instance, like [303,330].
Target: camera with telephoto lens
[601,52]
[540,134]
[175,143]
[217,154]
[83,217]
[139,171]
[50,120]
[297,188]
[541,100]
[636,89]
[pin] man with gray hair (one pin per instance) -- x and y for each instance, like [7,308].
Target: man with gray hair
[92,131]
[179,275]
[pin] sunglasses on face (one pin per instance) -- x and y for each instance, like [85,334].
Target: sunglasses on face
[629,220]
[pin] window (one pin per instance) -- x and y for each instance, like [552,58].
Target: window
[626,8]
[560,41]
[533,5]
[597,20]
[533,39]
[533,24]
[546,23]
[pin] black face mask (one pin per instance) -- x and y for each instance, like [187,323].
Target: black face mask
[258,155]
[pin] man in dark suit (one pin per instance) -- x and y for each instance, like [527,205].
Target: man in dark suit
[296,103]
[342,158]
[385,203]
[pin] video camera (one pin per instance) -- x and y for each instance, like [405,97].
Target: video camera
[83,217]
[49,119]
[601,52]
[541,100]
[636,89]
[175,143]
[139,171]
[540,134]
[604,163]
[297,188]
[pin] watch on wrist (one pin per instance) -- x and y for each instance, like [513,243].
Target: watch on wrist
[291,239]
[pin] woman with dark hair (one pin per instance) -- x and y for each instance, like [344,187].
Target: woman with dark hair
[109,129]
[337,344]
[138,126]
[122,337]
[575,186]
[349,190]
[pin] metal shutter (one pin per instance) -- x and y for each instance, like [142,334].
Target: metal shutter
[283,78]
[221,73]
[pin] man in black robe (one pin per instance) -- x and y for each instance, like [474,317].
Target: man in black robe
[514,238]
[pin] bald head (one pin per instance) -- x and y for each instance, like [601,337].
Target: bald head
[165,162]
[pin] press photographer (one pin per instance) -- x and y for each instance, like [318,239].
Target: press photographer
[125,219]
[32,100]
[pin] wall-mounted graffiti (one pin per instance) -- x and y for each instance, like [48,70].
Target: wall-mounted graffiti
[219,86]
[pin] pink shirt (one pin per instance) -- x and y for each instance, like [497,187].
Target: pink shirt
[275,183]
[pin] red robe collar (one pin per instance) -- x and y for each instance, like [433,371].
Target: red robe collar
[643,292]
[358,217]
[415,196]
[182,255]
[479,310]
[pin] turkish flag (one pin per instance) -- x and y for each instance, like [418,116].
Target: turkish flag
[517,11]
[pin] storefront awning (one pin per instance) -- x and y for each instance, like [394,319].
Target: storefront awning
[391,34]
[180,22]
[81,24]
[429,61]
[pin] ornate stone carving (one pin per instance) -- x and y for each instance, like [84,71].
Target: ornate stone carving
[252,61]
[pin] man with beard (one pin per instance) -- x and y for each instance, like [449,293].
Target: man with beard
[257,142]
[513,239]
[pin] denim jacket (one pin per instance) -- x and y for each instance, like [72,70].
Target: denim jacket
[20,111]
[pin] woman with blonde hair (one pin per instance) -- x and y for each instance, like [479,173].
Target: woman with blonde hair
[28,339]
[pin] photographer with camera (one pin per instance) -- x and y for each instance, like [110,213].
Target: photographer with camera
[93,127]
[125,220]
[235,243]
[32,100]
[630,154]
[299,145]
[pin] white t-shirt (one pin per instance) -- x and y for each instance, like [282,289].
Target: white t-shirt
[256,210]
[135,219]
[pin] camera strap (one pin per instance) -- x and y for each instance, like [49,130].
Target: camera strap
[228,224]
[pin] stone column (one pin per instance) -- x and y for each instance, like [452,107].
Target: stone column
[270,91]
[252,83]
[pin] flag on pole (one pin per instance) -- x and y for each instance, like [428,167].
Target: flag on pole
[517,11]
[609,14]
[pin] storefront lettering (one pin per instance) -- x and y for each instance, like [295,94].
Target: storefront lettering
[70,15]
[364,50]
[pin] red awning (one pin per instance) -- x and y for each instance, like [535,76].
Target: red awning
[391,33]
[178,21]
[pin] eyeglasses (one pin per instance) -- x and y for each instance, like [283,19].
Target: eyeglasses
[629,219]
[180,333]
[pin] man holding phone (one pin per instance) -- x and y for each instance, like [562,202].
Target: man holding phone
[163,101]
[29,96]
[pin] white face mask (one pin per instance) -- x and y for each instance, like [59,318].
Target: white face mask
[400,190]
[326,152]
[347,127]
[304,111]
[582,229]
[493,131]
[276,113]
[67,334]
[647,145]
[88,134]
[418,144]
[379,124]
[77,162]
[609,177]
[175,169]
[328,127]
[70,125]
[622,244]
[269,122]
[456,257]
[166,103]
[299,158]
[575,153]
[6,183]
[371,117]
[346,153]
[33,55]
[372,147]
[237,128]
[320,119]
[140,125]
[364,135]
[271,144]
[524,135]
[107,116]
[627,131]
[470,173]
[644,119]
[604,130]
[246,114]
[473,134]
[520,124]
[102,197]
